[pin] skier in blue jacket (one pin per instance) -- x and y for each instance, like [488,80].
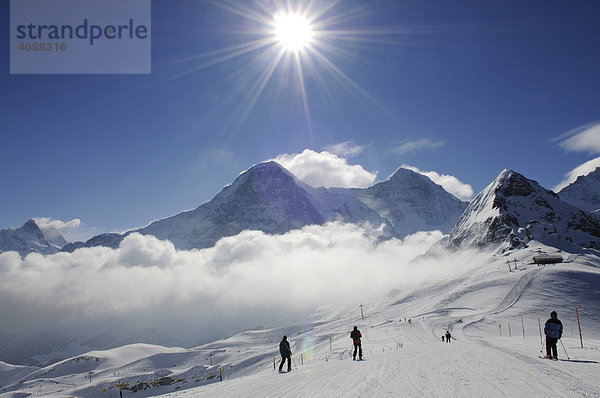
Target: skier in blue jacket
[553,330]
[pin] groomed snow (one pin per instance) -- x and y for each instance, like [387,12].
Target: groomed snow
[479,305]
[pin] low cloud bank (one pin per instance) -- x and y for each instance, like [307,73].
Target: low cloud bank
[245,281]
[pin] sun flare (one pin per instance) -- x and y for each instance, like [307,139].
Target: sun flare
[292,31]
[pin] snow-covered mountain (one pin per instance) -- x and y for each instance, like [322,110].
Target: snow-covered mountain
[584,192]
[269,198]
[412,202]
[31,238]
[514,210]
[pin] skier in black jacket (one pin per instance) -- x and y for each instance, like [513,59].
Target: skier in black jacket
[553,330]
[286,353]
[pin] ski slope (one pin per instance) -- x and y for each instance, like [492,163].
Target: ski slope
[491,313]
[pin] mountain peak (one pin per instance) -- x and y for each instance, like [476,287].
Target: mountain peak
[270,169]
[31,226]
[268,165]
[514,209]
[30,238]
[511,183]
[403,173]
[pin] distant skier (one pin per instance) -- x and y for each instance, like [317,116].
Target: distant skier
[286,354]
[448,336]
[443,337]
[356,336]
[553,330]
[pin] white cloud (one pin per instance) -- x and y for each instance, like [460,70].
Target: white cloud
[243,281]
[345,149]
[326,169]
[72,230]
[582,139]
[580,170]
[449,183]
[413,146]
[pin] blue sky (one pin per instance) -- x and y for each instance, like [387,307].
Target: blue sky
[464,89]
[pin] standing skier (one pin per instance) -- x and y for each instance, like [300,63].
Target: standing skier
[553,330]
[286,353]
[356,336]
[448,336]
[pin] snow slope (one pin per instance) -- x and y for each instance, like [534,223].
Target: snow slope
[492,314]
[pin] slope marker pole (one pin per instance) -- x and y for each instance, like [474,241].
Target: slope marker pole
[579,325]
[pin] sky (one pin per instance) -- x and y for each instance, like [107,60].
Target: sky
[455,90]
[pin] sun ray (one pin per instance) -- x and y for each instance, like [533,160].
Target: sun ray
[316,13]
[311,36]
[346,16]
[224,58]
[304,97]
[240,10]
[255,91]
[349,80]
[230,52]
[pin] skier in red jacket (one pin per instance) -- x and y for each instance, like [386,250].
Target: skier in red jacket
[356,336]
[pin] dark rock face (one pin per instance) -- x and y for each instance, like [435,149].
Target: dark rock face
[515,185]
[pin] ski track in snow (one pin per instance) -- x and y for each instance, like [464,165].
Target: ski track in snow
[402,359]
[470,365]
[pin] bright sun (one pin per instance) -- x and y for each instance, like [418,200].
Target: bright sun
[292,31]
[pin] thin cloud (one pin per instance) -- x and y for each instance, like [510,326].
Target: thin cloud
[414,146]
[448,182]
[325,169]
[581,170]
[346,149]
[582,139]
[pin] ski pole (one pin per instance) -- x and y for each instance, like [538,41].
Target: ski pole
[563,346]
[542,348]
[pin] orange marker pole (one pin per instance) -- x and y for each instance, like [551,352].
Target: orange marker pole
[579,325]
